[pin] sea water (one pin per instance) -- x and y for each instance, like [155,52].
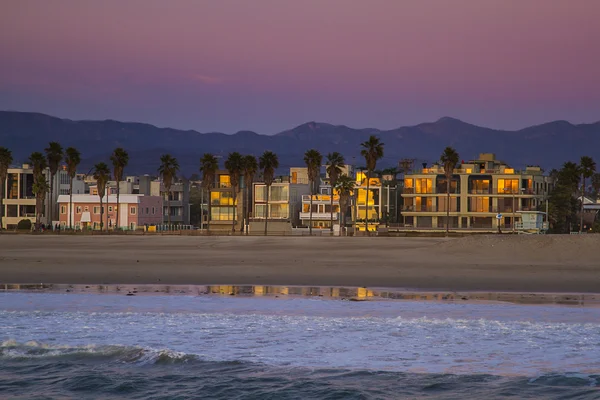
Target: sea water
[179,347]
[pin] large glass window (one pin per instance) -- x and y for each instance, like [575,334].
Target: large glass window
[224,181]
[221,198]
[479,204]
[454,203]
[221,213]
[508,186]
[12,187]
[279,211]
[260,193]
[423,185]
[279,193]
[423,204]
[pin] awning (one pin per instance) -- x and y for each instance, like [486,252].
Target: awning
[85,217]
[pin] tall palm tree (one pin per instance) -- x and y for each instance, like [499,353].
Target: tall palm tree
[372,151]
[587,167]
[168,169]
[209,166]
[119,159]
[313,160]
[250,168]
[449,160]
[54,154]
[40,190]
[345,188]
[72,158]
[101,175]
[234,165]
[6,159]
[335,163]
[40,185]
[268,163]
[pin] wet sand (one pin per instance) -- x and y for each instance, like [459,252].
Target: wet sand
[541,264]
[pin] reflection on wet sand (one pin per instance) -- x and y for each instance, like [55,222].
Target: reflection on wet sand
[340,293]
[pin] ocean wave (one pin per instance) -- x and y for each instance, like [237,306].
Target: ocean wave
[11,349]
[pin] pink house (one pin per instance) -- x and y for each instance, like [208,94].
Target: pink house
[135,211]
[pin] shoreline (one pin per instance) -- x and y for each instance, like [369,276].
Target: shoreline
[325,292]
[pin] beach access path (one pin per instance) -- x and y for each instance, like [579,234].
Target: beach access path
[541,263]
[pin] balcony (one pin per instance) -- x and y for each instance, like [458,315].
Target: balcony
[319,215]
[320,198]
[417,209]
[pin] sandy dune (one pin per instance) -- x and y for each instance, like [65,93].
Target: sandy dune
[494,263]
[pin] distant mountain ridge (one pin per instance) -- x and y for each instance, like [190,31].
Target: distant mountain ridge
[547,145]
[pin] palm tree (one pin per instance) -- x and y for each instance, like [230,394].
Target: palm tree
[209,166]
[250,167]
[54,154]
[6,159]
[168,171]
[120,159]
[268,163]
[72,158]
[313,160]
[335,163]
[587,167]
[345,187]
[234,165]
[40,186]
[372,151]
[449,160]
[101,175]
[40,190]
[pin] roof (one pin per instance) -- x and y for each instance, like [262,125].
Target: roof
[95,199]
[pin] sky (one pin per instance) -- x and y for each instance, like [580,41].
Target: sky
[270,65]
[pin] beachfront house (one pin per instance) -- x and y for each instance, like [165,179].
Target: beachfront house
[485,194]
[135,210]
[285,202]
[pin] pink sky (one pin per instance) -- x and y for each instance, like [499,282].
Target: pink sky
[268,65]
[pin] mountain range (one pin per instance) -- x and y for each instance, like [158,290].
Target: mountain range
[547,145]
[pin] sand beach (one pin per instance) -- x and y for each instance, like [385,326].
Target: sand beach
[476,263]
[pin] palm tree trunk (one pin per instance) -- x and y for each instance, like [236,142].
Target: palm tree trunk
[209,212]
[234,210]
[2,205]
[51,198]
[169,207]
[248,205]
[367,206]
[118,211]
[331,210]
[310,210]
[71,213]
[448,208]
[101,214]
[581,207]
[267,211]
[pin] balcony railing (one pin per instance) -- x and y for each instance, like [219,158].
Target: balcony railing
[319,215]
[320,197]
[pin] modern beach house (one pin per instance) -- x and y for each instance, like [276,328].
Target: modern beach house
[485,194]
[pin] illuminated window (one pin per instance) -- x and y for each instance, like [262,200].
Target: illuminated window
[424,185]
[508,186]
[224,181]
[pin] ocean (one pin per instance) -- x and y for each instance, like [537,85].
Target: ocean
[104,346]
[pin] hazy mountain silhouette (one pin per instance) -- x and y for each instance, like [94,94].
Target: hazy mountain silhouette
[547,145]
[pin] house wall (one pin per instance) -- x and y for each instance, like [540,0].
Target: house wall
[150,210]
